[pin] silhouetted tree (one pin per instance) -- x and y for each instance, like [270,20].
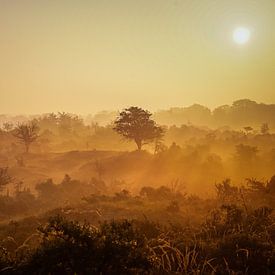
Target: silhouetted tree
[160,146]
[26,133]
[69,123]
[135,124]
[7,126]
[246,153]
[48,122]
[47,190]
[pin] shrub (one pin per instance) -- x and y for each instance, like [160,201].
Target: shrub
[69,248]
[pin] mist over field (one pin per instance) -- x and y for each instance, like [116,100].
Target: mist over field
[137,137]
[138,173]
[199,149]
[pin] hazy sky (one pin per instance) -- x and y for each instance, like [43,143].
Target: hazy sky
[87,55]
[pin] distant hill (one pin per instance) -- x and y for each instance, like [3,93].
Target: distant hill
[241,113]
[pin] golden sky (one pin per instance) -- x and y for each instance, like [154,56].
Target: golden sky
[88,55]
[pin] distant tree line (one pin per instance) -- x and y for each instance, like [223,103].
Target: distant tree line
[242,113]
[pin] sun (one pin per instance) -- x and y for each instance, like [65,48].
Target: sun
[241,35]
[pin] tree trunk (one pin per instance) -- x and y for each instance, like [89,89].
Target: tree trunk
[139,144]
[27,145]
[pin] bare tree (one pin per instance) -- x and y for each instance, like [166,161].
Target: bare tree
[27,133]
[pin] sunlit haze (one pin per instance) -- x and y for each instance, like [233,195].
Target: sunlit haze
[86,56]
[137,137]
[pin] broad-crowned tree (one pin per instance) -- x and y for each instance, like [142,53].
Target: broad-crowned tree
[136,124]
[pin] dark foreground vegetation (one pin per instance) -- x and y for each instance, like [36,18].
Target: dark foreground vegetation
[139,212]
[159,231]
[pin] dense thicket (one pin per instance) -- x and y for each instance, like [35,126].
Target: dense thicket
[161,231]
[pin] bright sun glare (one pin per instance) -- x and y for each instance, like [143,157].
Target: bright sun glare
[241,35]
